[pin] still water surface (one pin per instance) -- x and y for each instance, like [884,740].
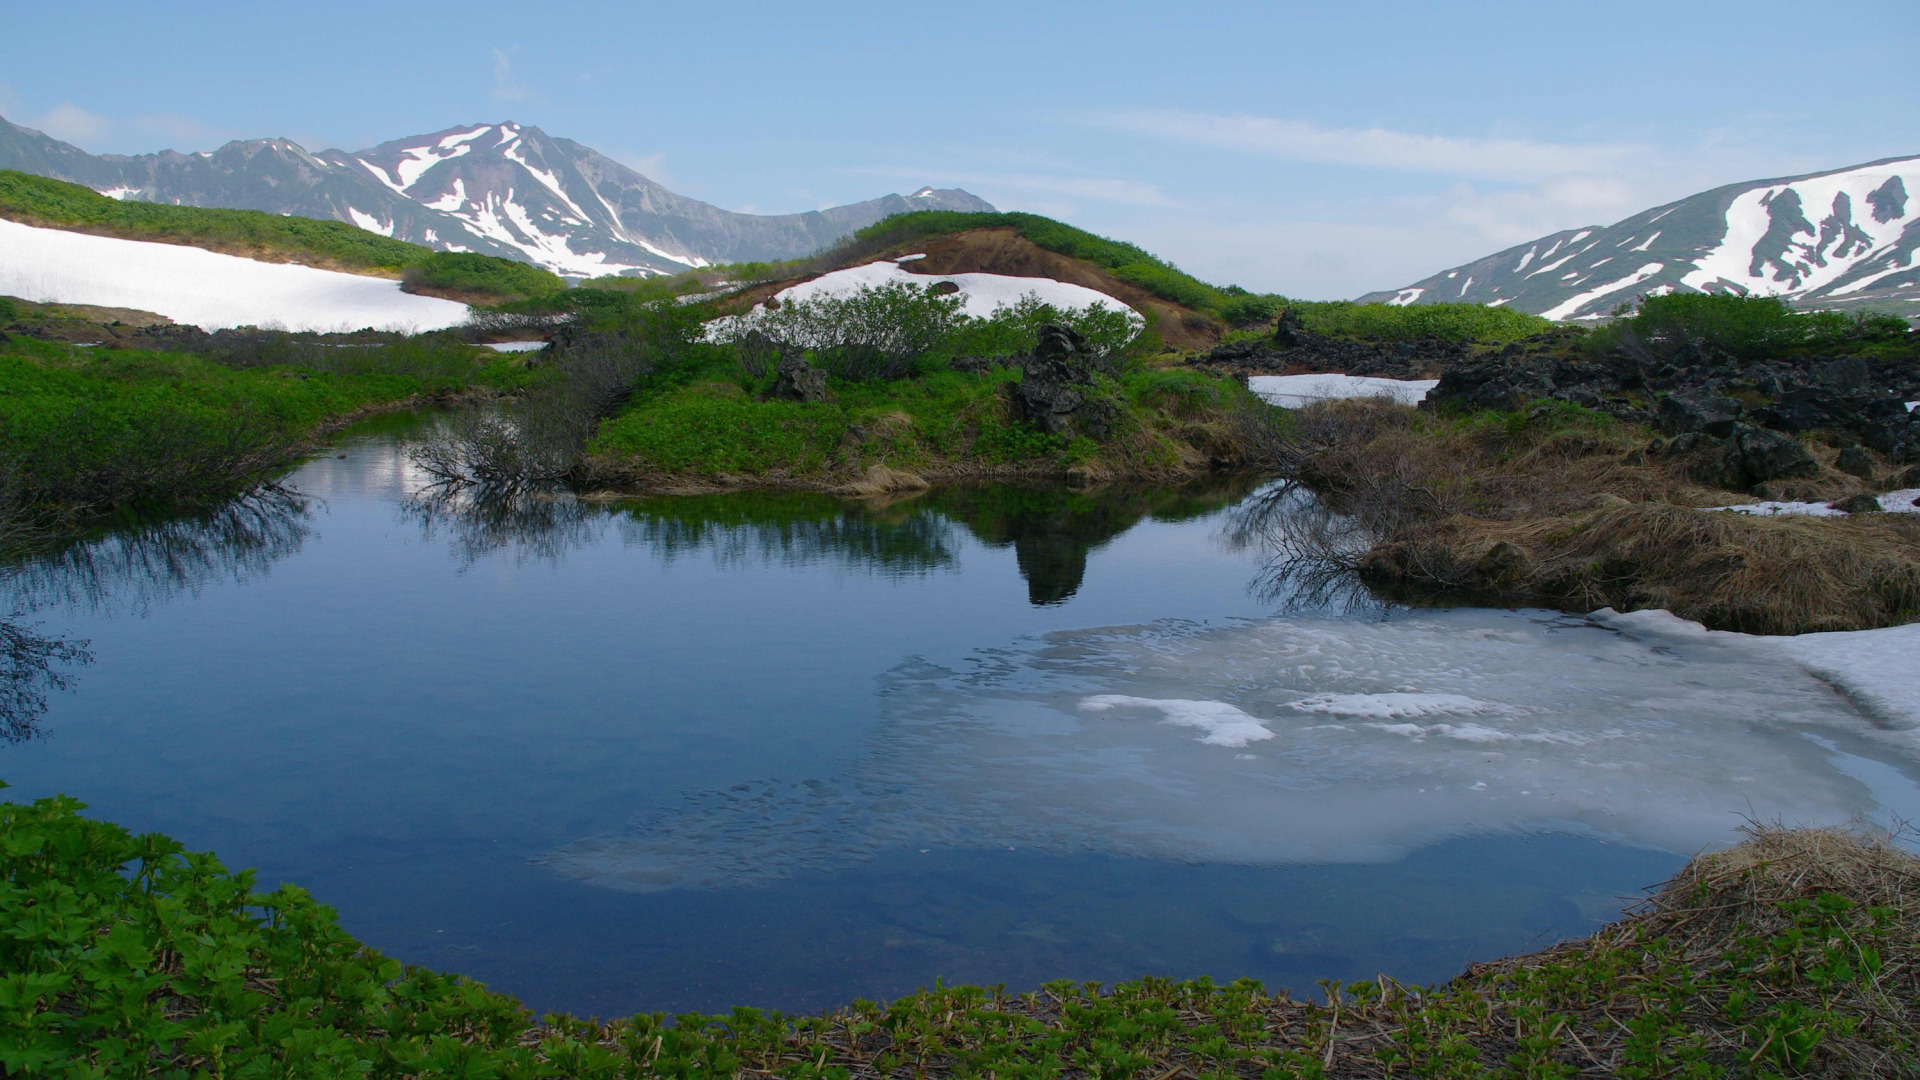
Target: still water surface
[790,750]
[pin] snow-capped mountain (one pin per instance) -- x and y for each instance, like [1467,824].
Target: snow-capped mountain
[1841,240]
[500,189]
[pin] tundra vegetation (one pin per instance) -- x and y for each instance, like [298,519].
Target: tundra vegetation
[1794,954]
[1577,470]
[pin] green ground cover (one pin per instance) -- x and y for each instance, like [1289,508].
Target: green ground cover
[88,432]
[947,422]
[1445,322]
[37,200]
[121,956]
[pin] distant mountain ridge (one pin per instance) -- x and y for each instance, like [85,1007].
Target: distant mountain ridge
[1844,239]
[500,189]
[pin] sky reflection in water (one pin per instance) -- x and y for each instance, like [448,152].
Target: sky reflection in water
[788,750]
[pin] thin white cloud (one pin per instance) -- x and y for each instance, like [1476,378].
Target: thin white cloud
[1515,160]
[72,123]
[505,87]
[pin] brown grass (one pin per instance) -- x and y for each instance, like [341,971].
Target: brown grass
[1565,510]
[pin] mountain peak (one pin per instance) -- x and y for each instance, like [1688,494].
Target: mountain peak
[501,188]
[1846,239]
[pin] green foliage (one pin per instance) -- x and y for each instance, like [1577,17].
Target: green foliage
[125,955]
[98,431]
[37,200]
[1748,327]
[1249,309]
[875,332]
[483,275]
[1412,322]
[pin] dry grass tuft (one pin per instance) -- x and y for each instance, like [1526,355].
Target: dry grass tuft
[1564,509]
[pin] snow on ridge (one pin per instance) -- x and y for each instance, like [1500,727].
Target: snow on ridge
[204,288]
[1406,296]
[1575,303]
[549,180]
[1815,257]
[369,222]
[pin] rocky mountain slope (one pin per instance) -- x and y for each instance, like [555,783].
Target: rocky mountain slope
[1841,240]
[500,189]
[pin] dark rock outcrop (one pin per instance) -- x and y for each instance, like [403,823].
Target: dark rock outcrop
[1056,391]
[797,380]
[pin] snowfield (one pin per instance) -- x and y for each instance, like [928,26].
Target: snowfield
[1299,391]
[982,294]
[205,289]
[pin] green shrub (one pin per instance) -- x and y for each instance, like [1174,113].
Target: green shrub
[1014,329]
[1251,310]
[1446,322]
[98,431]
[1749,327]
[467,272]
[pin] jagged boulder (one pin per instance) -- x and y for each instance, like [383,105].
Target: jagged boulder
[1056,391]
[1699,411]
[1491,382]
[1756,455]
[797,380]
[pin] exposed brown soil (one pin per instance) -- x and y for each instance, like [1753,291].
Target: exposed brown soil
[1005,251]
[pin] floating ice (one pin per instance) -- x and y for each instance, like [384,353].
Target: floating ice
[1224,725]
[205,289]
[1299,391]
[1324,740]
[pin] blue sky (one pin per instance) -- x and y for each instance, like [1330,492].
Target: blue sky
[1319,150]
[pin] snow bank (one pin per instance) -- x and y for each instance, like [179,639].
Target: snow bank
[1299,391]
[981,294]
[1878,669]
[516,346]
[205,289]
[1904,501]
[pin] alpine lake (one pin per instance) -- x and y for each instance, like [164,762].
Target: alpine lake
[789,750]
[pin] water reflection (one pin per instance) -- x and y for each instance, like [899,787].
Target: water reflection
[129,569]
[1052,530]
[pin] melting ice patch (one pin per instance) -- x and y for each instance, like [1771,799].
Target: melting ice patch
[1321,740]
[1224,725]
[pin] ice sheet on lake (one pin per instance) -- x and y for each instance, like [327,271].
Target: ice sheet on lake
[1299,740]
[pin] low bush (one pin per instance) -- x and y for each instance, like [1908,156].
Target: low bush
[87,432]
[482,276]
[1796,953]
[1745,327]
[1413,322]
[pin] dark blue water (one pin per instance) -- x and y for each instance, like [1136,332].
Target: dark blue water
[677,754]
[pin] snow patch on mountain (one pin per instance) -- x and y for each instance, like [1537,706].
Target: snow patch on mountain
[203,288]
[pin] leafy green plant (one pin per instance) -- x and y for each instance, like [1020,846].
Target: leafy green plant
[1412,322]
[1747,327]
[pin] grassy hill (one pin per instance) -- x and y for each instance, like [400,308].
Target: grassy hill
[329,245]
